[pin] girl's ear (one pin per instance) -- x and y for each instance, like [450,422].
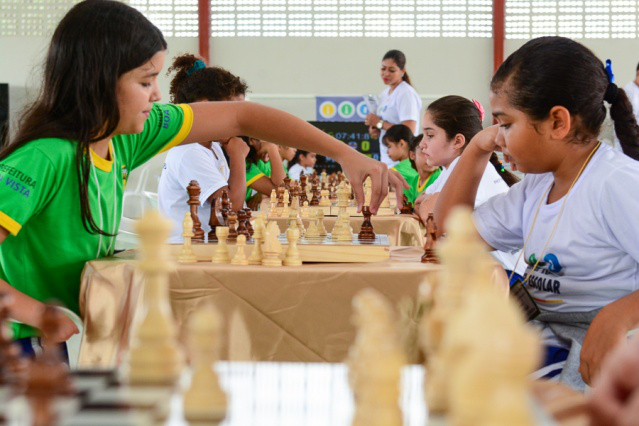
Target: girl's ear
[411,155]
[459,141]
[558,123]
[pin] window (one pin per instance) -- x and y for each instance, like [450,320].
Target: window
[572,18]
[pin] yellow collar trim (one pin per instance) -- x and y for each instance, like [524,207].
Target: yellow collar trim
[102,163]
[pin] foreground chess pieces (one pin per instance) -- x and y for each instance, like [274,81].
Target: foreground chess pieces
[155,357]
[249,218]
[240,256]
[320,223]
[286,202]
[366,231]
[12,365]
[221,254]
[258,237]
[312,231]
[272,246]
[187,255]
[292,257]
[304,212]
[375,362]
[204,401]
[467,264]
[429,255]
[194,202]
[325,200]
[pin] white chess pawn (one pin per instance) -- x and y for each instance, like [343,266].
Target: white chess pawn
[293,257]
[240,256]
[187,255]
[258,237]
[312,231]
[221,255]
[324,201]
[273,210]
[320,223]
[286,199]
[304,213]
[204,401]
[272,246]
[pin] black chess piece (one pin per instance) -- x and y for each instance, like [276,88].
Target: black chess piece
[366,231]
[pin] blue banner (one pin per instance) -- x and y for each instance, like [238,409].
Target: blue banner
[341,108]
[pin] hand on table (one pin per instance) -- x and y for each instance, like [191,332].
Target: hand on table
[605,332]
[615,397]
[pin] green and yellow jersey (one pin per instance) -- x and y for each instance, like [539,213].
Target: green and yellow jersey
[406,170]
[417,187]
[253,173]
[48,246]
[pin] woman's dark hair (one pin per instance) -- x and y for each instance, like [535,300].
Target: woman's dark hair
[556,71]
[457,115]
[96,42]
[400,60]
[397,133]
[412,147]
[251,157]
[296,157]
[211,83]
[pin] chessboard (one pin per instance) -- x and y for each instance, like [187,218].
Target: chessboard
[334,211]
[321,250]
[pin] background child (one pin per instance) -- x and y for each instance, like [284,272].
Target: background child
[303,161]
[397,141]
[97,118]
[426,174]
[258,182]
[575,213]
[286,154]
[206,162]
[449,125]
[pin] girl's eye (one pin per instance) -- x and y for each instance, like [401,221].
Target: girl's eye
[146,84]
[505,126]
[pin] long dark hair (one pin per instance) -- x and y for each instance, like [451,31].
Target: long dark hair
[296,157]
[400,59]
[458,115]
[556,71]
[211,83]
[93,46]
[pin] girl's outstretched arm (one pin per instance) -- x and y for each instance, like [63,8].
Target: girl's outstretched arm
[218,120]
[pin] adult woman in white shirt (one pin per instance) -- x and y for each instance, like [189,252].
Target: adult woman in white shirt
[398,104]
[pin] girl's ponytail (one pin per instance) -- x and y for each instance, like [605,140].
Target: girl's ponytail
[507,176]
[626,127]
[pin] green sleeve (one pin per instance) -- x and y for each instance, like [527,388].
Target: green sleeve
[167,126]
[264,167]
[28,181]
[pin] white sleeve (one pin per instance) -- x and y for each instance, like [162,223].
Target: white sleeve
[619,203]
[436,186]
[491,184]
[198,165]
[499,220]
[409,107]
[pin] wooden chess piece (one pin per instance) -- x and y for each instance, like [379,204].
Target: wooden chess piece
[155,357]
[304,212]
[407,208]
[204,401]
[287,183]
[216,206]
[258,237]
[227,206]
[292,257]
[280,196]
[429,255]
[303,194]
[320,223]
[12,366]
[187,255]
[232,224]
[240,256]
[315,199]
[286,203]
[325,200]
[194,201]
[273,210]
[312,231]
[221,254]
[272,246]
[366,231]
[323,177]
[241,224]
[249,219]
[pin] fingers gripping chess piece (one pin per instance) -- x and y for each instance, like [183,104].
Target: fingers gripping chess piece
[375,361]
[258,237]
[293,257]
[187,255]
[272,247]
[204,401]
[155,357]
[194,202]
[429,255]
[221,254]
[240,256]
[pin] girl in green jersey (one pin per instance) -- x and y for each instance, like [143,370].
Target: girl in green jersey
[62,176]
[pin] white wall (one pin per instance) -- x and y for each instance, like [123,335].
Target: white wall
[288,72]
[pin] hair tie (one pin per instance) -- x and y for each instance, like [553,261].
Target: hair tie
[611,93]
[480,108]
[197,65]
[502,166]
[611,76]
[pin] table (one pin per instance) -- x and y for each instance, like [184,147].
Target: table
[271,314]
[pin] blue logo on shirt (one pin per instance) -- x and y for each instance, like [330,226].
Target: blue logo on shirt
[166,118]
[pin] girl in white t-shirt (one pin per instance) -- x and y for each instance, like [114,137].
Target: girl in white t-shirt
[303,161]
[398,104]
[575,213]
